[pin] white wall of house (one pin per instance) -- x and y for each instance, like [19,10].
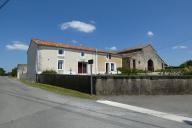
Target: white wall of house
[32,61]
[48,60]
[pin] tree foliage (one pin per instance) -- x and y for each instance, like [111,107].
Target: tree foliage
[49,72]
[2,72]
[127,71]
[186,64]
[14,72]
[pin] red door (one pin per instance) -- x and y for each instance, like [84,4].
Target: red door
[82,67]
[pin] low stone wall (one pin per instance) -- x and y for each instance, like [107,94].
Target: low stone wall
[122,85]
[75,82]
[143,85]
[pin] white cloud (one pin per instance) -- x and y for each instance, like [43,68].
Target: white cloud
[93,22]
[150,34]
[79,26]
[17,45]
[179,47]
[74,41]
[113,48]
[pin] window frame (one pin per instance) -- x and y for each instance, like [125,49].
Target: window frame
[58,64]
[108,56]
[60,54]
[83,54]
[111,67]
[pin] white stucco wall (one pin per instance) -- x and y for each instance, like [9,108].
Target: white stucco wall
[48,60]
[31,61]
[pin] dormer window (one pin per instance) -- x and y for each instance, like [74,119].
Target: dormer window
[61,52]
[108,56]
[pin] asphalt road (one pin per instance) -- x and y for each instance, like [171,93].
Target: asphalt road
[175,104]
[27,107]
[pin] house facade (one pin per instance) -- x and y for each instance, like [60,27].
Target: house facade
[69,59]
[143,57]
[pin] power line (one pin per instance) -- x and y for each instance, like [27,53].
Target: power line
[3,3]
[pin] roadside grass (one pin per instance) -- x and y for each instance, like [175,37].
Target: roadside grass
[59,90]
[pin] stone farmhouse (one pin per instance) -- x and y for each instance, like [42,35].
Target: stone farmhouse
[69,59]
[21,71]
[143,57]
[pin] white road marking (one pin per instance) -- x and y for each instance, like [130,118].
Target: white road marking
[168,116]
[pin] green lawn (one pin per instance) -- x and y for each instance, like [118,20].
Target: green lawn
[59,90]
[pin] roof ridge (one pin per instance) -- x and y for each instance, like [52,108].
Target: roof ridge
[69,46]
[56,44]
[135,48]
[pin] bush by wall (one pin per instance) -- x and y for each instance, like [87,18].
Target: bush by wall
[127,71]
[49,72]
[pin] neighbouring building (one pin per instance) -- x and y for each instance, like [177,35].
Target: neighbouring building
[68,59]
[21,71]
[143,57]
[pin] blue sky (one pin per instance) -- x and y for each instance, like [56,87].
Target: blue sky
[104,24]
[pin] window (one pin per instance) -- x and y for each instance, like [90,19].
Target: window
[60,64]
[134,64]
[107,68]
[112,67]
[128,63]
[61,52]
[82,67]
[108,56]
[82,54]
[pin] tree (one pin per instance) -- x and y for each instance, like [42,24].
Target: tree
[186,64]
[14,72]
[2,72]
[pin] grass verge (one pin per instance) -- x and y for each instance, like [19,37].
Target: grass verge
[59,90]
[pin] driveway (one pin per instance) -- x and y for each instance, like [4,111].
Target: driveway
[26,107]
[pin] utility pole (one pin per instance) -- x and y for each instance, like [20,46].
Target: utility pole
[91,67]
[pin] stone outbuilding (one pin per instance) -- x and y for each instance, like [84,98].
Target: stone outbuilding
[21,71]
[143,58]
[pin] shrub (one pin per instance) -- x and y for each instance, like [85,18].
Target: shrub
[14,72]
[171,71]
[186,64]
[2,72]
[127,71]
[49,72]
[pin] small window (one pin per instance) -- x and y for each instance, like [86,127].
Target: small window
[112,67]
[60,52]
[60,64]
[134,64]
[108,56]
[82,54]
[162,64]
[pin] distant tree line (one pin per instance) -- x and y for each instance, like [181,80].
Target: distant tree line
[12,73]
[2,72]
[183,69]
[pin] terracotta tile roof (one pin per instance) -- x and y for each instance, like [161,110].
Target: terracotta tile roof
[62,45]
